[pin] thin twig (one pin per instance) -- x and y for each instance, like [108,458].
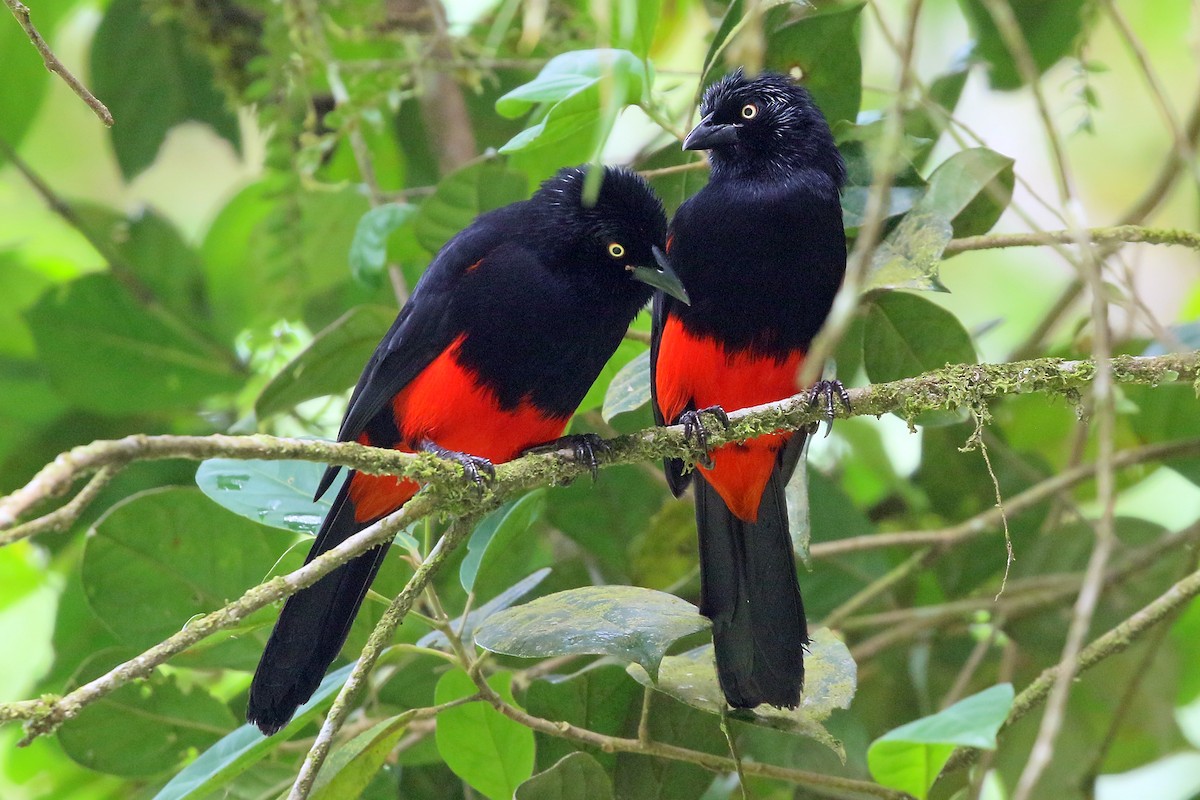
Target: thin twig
[21,12]
[1117,234]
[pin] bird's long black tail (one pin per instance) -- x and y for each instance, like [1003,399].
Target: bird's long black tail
[313,625]
[748,588]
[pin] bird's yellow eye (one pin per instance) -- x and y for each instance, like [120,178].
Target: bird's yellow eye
[749,111]
[616,250]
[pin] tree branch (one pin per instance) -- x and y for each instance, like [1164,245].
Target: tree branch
[21,12]
[952,387]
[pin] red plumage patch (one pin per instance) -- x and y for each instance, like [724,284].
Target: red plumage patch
[449,405]
[701,372]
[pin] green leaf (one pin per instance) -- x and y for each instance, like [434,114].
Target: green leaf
[626,351]
[576,776]
[625,622]
[927,124]
[629,390]
[905,335]
[489,751]
[144,728]
[462,196]
[175,546]
[330,364]
[830,680]
[587,89]
[155,252]
[910,255]
[910,757]
[498,603]
[241,749]
[1167,413]
[1050,29]
[135,360]
[971,189]
[571,73]
[149,94]
[823,45]
[275,493]
[601,698]
[25,76]
[272,248]
[494,534]
[368,251]
[354,765]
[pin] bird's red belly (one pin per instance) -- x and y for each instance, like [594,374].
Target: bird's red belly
[447,405]
[701,372]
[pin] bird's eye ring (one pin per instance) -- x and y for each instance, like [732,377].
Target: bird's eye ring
[616,249]
[749,111]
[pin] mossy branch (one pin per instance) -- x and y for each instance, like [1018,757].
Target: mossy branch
[952,387]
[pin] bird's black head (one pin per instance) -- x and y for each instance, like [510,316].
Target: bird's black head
[612,238]
[765,124]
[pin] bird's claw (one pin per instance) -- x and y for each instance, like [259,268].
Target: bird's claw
[476,469]
[694,430]
[585,448]
[826,391]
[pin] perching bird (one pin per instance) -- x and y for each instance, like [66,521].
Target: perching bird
[491,355]
[762,251]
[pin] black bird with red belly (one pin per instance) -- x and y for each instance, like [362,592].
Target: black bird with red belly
[762,251]
[491,355]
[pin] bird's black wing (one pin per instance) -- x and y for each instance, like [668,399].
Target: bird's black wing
[423,329]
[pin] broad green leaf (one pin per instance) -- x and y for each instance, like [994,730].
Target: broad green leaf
[144,728]
[823,46]
[629,389]
[625,622]
[25,75]
[634,23]
[1164,414]
[971,189]
[20,286]
[174,545]
[607,517]
[830,680]
[587,88]
[494,534]
[275,493]
[910,255]
[905,335]
[274,247]
[368,251]
[108,353]
[331,363]
[241,749]
[155,252]
[600,698]
[712,69]
[352,767]
[489,751]
[165,84]
[462,196]
[597,395]
[924,123]
[910,757]
[498,603]
[577,776]
[1050,29]
[570,73]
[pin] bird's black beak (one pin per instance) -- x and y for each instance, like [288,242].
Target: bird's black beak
[663,278]
[708,134]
